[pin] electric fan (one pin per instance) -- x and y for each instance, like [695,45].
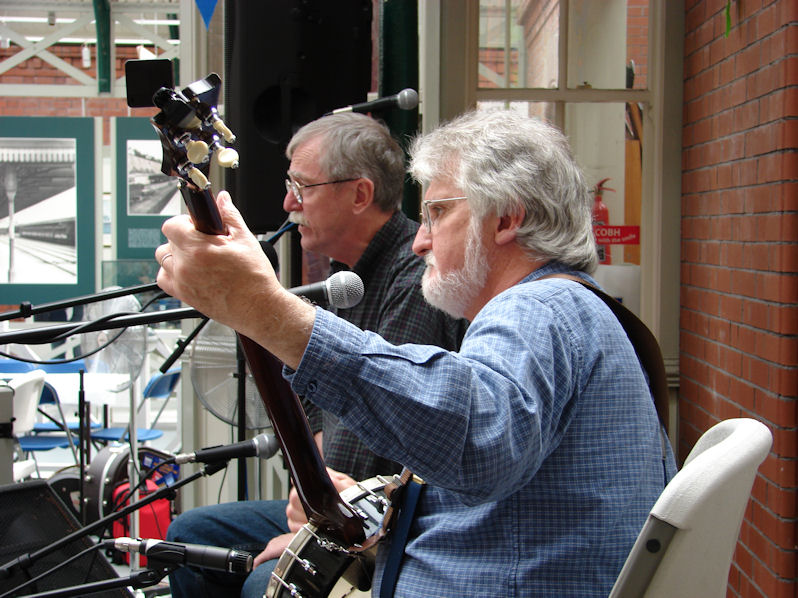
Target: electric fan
[126,353]
[213,365]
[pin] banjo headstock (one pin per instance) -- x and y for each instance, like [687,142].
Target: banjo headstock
[192,134]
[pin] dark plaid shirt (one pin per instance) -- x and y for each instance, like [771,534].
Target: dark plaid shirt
[393,307]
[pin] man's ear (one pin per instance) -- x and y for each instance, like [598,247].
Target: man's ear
[507,227]
[364,195]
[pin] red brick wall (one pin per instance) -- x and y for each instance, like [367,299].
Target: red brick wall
[637,40]
[739,260]
[35,71]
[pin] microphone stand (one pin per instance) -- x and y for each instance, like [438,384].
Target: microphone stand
[143,578]
[26,560]
[26,309]
[46,334]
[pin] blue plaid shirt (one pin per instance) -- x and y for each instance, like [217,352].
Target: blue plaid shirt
[539,441]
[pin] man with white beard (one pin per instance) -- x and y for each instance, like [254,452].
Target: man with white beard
[538,441]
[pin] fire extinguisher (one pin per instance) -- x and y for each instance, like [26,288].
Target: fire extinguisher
[601,217]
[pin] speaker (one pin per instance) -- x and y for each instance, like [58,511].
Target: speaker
[32,516]
[287,62]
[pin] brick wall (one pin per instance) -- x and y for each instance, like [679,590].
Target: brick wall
[35,71]
[739,282]
[637,40]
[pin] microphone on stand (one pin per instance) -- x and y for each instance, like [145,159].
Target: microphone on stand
[263,446]
[407,99]
[343,290]
[196,555]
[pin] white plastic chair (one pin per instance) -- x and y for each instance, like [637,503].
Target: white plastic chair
[27,389]
[686,546]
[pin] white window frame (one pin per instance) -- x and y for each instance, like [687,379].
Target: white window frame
[449,34]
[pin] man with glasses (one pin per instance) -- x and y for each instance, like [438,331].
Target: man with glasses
[538,441]
[344,190]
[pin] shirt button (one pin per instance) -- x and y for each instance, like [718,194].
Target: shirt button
[312,387]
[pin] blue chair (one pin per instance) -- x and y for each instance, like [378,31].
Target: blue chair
[160,386]
[14,366]
[47,435]
[27,391]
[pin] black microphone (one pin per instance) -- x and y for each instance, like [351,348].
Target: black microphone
[407,99]
[343,289]
[196,555]
[263,446]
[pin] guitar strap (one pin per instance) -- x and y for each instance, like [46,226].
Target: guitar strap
[410,492]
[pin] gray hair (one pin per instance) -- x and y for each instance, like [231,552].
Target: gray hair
[505,162]
[356,146]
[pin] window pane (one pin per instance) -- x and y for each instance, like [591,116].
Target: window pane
[518,43]
[605,40]
[607,43]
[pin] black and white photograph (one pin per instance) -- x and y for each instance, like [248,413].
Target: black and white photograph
[149,191]
[38,209]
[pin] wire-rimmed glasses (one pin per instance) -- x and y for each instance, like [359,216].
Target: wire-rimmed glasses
[430,216]
[292,186]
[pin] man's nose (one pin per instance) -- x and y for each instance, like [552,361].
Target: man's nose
[290,202]
[423,241]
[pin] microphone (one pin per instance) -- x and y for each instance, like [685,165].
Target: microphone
[204,557]
[263,446]
[407,99]
[343,290]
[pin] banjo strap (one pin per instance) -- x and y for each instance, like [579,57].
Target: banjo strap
[405,503]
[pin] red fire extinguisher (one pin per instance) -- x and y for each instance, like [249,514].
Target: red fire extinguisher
[601,217]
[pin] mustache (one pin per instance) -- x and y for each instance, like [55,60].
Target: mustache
[297,218]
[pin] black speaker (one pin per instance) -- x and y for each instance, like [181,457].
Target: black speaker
[32,517]
[287,62]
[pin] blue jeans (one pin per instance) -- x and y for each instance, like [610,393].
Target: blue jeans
[245,525]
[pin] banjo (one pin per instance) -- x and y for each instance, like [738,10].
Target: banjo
[332,550]
[313,564]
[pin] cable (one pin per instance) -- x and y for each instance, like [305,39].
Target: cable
[56,568]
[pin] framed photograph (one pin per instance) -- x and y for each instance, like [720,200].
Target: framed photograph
[145,196]
[47,202]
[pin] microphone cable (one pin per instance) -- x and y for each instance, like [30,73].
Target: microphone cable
[61,565]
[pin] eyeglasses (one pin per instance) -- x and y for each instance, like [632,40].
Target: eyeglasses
[430,212]
[292,186]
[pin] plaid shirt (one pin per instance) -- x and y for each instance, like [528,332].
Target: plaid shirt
[539,441]
[393,307]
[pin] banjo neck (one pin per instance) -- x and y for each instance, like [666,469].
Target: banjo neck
[190,129]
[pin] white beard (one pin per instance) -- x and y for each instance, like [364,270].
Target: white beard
[454,292]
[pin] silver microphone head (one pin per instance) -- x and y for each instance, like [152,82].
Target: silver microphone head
[407,99]
[344,289]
